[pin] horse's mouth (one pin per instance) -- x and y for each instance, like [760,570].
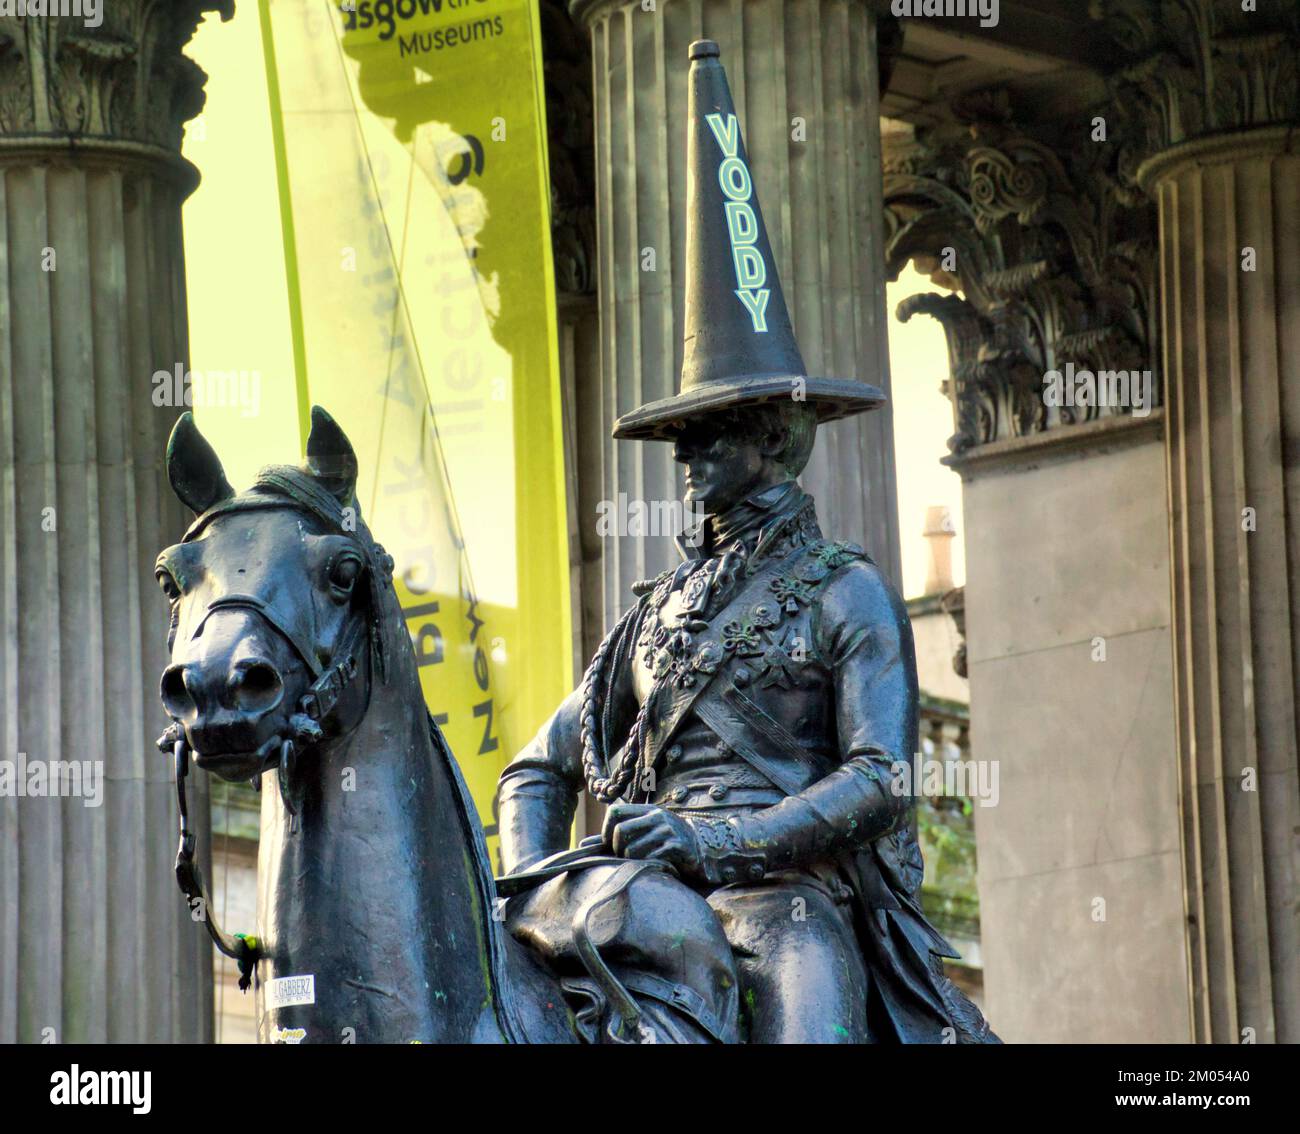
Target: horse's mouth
[238,766]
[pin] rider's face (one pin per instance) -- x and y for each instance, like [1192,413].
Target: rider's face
[723,465]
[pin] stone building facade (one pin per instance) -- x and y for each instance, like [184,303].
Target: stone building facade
[1102,187]
[92,947]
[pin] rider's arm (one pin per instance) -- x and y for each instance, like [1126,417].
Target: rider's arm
[863,637]
[538,791]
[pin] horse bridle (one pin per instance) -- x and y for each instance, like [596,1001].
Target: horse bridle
[306,726]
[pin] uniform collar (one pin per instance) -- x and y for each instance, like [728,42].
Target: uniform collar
[744,523]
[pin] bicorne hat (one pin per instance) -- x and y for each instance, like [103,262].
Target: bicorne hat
[739,345]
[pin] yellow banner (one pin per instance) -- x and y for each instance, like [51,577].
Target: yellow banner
[410,144]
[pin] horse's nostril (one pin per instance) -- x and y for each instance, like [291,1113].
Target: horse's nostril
[176,698]
[256,686]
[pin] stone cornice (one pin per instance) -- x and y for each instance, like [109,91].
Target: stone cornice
[124,81]
[1019,454]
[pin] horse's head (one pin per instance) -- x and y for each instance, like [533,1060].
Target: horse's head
[275,602]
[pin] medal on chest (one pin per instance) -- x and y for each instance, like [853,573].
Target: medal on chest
[675,644]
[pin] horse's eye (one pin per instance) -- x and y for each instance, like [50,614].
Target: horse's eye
[344,573]
[168,585]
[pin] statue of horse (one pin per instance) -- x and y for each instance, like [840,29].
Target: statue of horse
[378,920]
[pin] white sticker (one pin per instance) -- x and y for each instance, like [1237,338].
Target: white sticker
[283,992]
[288,1035]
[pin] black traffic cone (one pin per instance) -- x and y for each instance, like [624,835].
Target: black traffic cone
[739,345]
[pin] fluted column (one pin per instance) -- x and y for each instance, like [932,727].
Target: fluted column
[95,941]
[1232,357]
[1217,101]
[804,77]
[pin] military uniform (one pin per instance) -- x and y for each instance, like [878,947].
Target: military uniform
[764,691]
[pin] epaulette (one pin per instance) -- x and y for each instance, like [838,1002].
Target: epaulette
[664,579]
[833,554]
[645,586]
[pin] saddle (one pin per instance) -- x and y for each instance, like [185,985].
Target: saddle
[640,956]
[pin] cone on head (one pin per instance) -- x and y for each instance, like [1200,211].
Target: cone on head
[739,346]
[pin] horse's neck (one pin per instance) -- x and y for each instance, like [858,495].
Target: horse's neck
[380,894]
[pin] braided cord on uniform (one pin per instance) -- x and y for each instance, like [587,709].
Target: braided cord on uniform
[606,784]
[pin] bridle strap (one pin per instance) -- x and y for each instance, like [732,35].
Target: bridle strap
[280,486]
[319,701]
[252,602]
[242,949]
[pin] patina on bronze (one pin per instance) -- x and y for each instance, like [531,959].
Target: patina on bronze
[746,716]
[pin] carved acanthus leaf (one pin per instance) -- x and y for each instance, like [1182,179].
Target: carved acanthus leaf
[1188,68]
[1052,248]
[125,80]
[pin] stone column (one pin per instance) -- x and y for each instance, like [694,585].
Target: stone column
[95,941]
[1232,360]
[804,77]
[1222,160]
[1066,601]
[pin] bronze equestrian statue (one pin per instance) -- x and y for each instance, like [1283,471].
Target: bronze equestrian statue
[758,874]
[290,656]
[746,717]
[377,916]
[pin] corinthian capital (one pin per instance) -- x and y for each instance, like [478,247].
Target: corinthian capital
[1187,69]
[124,79]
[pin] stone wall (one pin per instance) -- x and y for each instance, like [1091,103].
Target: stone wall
[1069,647]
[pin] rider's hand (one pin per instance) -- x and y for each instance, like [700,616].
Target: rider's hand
[641,830]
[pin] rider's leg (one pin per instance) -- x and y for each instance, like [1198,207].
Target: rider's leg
[656,935]
[802,978]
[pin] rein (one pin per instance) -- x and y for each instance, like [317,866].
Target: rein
[242,948]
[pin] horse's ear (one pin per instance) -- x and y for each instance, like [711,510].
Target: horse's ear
[194,468]
[330,457]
